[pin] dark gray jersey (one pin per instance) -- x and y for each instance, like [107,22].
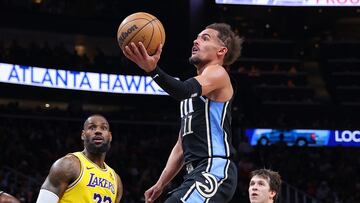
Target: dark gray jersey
[205,129]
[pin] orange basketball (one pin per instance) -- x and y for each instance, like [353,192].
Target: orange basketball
[141,27]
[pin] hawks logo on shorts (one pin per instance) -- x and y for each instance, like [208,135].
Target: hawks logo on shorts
[210,187]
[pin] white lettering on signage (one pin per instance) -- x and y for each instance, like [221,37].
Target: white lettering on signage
[347,136]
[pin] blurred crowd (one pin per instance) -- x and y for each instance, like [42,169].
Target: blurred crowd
[61,56]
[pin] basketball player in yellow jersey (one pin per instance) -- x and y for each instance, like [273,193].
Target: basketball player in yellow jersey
[84,177]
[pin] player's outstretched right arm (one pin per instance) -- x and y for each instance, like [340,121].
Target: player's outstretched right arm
[177,89]
[172,168]
[62,173]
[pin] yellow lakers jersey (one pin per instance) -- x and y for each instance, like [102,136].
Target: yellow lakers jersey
[94,184]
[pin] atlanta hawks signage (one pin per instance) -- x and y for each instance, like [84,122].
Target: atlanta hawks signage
[75,80]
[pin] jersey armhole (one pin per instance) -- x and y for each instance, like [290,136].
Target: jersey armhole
[116,181]
[77,180]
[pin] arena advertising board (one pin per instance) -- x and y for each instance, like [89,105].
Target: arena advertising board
[303,137]
[76,80]
[292,2]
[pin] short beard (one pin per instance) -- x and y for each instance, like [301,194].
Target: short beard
[94,149]
[194,60]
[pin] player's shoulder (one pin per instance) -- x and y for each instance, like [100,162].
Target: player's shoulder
[68,160]
[113,171]
[67,164]
[216,68]
[217,72]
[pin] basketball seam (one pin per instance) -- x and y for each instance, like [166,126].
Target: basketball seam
[149,15]
[152,34]
[141,29]
[161,33]
[159,29]
[134,20]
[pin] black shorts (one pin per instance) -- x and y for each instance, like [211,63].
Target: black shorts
[211,180]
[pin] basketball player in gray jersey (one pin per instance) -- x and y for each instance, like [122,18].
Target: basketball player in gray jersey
[204,143]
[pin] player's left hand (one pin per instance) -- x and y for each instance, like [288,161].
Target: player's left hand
[138,54]
[153,193]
